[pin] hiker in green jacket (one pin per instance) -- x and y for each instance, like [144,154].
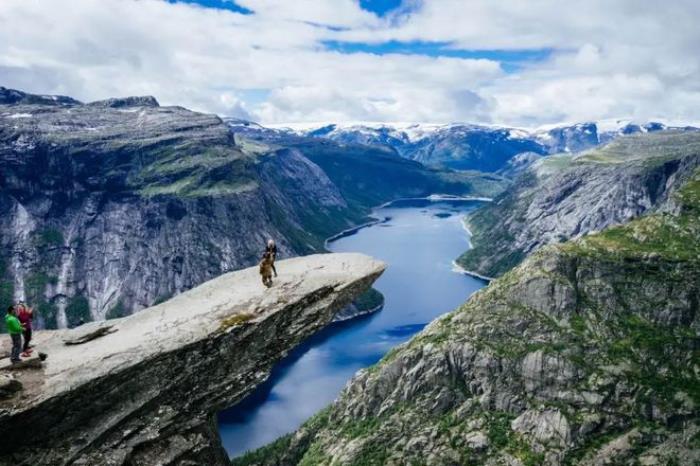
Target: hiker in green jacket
[14,328]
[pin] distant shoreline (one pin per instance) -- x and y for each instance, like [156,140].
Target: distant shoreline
[459,269]
[377,220]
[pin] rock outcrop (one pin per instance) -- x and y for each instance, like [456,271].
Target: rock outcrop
[145,391]
[586,353]
[563,197]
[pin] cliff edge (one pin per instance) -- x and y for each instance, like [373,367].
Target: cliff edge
[145,389]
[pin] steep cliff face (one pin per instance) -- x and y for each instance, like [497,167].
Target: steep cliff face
[108,207]
[147,391]
[586,353]
[562,197]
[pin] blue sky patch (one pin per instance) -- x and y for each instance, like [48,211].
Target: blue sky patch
[510,60]
[380,7]
[218,4]
[254,96]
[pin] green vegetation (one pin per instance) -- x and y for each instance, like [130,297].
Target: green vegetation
[192,170]
[492,252]
[35,285]
[77,310]
[496,225]
[162,298]
[368,176]
[281,451]
[236,319]
[499,432]
[269,454]
[615,308]
[117,311]
[49,237]
[369,300]
[47,311]
[650,148]
[658,236]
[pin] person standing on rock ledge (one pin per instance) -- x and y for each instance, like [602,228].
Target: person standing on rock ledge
[271,249]
[14,328]
[25,315]
[266,267]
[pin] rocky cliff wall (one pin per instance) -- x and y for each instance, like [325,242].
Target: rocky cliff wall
[563,197]
[109,207]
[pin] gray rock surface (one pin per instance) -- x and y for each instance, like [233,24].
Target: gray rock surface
[563,197]
[147,392]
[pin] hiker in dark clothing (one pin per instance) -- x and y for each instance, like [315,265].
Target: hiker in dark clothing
[271,249]
[14,328]
[25,315]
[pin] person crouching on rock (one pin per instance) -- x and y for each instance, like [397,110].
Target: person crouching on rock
[266,266]
[25,315]
[271,249]
[14,328]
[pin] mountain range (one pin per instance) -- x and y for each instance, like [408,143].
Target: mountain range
[477,147]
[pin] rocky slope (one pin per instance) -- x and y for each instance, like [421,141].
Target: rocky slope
[586,353]
[148,390]
[111,206]
[562,197]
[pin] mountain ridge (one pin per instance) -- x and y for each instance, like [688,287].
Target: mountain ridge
[109,207]
[563,197]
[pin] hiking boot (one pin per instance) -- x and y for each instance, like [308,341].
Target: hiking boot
[25,355]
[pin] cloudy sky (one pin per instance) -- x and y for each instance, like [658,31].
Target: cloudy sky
[513,62]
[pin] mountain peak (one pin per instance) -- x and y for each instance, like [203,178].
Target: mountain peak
[13,96]
[133,101]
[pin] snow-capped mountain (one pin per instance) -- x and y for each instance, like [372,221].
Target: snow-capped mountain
[468,146]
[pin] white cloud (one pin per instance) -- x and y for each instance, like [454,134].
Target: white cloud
[612,59]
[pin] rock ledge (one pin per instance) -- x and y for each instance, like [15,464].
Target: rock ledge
[147,391]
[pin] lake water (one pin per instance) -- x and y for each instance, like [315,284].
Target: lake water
[419,241]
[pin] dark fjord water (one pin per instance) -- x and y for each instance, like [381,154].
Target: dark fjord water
[418,242]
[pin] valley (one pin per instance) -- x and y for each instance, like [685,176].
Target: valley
[582,350]
[584,353]
[109,207]
[418,241]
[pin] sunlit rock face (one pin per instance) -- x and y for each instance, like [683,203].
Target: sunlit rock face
[145,389]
